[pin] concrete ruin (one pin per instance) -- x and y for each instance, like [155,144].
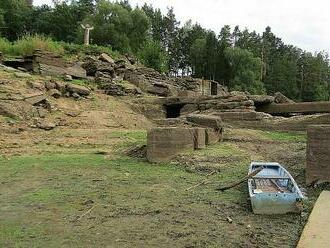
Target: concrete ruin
[164,143]
[289,108]
[318,154]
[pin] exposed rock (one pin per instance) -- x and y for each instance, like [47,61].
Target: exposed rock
[280,98]
[214,122]
[188,108]
[47,63]
[22,75]
[9,110]
[68,77]
[114,89]
[120,63]
[44,124]
[42,113]
[261,99]
[50,85]
[61,86]
[76,96]
[131,58]
[22,69]
[160,89]
[80,90]
[36,99]
[76,71]
[106,58]
[8,68]
[55,93]
[73,113]
[35,85]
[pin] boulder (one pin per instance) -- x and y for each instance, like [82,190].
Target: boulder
[60,86]
[76,71]
[106,58]
[78,89]
[280,98]
[159,89]
[68,77]
[45,124]
[55,93]
[50,85]
[261,99]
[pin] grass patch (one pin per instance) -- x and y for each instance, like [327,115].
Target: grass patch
[285,136]
[130,138]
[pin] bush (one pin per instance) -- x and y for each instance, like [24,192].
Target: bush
[76,49]
[27,44]
[152,55]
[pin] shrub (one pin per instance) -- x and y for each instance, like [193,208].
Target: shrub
[27,44]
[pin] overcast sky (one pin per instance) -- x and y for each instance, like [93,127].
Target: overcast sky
[304,23]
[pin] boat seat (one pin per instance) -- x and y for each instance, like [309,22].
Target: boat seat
[270,177]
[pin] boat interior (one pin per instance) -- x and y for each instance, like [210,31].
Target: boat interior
[272,179]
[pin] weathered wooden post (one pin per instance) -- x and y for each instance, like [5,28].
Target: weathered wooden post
[87,29]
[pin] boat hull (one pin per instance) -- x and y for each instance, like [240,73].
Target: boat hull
[286,198]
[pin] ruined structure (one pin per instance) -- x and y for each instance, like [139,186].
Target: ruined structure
[164,143]
[318,154]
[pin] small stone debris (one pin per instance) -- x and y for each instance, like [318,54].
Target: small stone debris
[230,220]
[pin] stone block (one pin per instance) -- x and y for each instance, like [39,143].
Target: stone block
[164,143]
[212,136]
[212,121]
[199,138]
[318,154]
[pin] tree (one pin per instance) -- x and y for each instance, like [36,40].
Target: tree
[245,71]
[139,32]
[15,16]
[112,23]
[171,40]
[198,57]
[152,55]
[223,67]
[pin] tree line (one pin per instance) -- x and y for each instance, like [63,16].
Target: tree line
[239,58]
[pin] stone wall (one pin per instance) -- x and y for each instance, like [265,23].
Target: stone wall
[318,154]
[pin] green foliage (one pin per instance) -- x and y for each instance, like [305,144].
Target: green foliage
[245,69]
[122,28]
[76,49]
[152,55]
[15,16]
[27,45]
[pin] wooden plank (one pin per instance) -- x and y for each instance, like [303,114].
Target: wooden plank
[302,107]
[316,231]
